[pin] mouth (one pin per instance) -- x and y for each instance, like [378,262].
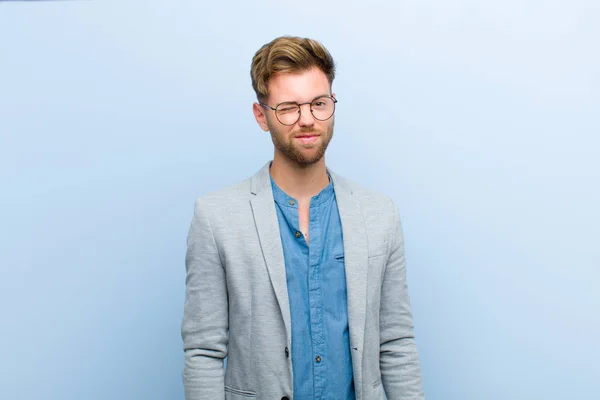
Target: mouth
[307,138]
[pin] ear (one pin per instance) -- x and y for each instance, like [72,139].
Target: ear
[259,114]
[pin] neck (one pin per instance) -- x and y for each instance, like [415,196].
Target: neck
[300,182]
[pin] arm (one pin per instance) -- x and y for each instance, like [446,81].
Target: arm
[205,317]
[399,360]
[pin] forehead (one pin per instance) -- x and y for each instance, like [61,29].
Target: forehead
[299,87]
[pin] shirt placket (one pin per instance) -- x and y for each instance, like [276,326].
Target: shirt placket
[315,291]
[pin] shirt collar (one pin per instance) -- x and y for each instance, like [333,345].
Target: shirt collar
[283,199]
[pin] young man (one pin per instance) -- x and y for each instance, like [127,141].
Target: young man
[297,275]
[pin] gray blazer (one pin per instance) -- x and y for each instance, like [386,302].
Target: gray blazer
[237,303]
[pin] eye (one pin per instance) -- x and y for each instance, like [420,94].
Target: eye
[287,108]
[321,103]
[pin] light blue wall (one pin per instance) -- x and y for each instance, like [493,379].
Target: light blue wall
[481,119]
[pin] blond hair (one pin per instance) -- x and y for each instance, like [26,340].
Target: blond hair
[288,54]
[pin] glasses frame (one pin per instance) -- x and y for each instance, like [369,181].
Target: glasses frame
[300,109]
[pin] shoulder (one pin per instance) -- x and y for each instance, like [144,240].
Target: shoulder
[372,201]
[235,196]
[224,199]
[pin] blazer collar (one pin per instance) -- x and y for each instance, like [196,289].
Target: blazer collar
[262,181]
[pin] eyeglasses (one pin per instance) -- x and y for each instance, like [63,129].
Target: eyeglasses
[288,113]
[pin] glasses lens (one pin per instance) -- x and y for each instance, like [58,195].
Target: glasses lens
[322,108]
[288,113]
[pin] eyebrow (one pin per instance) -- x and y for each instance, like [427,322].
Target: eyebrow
[317,97]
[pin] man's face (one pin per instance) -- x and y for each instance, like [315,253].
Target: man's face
[305,142]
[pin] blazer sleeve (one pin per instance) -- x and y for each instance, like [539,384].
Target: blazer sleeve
[205,317]
[399,360]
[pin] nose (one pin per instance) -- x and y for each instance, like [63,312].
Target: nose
[306,117]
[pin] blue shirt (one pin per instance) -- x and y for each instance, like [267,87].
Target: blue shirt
[316,283]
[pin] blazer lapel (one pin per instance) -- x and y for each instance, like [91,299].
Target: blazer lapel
[355,255]
[267,226]
[356,265]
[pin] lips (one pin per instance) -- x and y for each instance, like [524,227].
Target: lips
[307,139]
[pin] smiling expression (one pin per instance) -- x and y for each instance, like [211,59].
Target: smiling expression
[305,142]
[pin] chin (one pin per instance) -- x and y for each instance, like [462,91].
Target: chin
[306,161]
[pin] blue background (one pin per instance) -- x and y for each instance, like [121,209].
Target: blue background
[481,119]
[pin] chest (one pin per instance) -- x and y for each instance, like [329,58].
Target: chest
[304,218]
[312,231]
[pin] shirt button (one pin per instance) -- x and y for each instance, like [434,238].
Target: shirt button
[298,234]
[292,202]
[318,359]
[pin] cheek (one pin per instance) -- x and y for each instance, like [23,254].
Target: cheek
[327,126]
[280,132]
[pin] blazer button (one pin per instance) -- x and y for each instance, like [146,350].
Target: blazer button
[285,398]
[287,352]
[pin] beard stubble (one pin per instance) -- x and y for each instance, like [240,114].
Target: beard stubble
[296,152]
